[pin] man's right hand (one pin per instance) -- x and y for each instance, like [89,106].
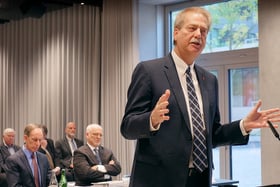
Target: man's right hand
[160,112]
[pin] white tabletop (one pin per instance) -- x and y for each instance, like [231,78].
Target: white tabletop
[114,183]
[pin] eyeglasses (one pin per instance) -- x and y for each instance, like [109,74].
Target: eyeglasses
[97,134]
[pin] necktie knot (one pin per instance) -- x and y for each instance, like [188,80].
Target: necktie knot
[188,71]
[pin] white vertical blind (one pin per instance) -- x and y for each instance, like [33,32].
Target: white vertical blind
[50,70]
[73,64]
[119,55]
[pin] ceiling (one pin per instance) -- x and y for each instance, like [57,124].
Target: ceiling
[18,9]
[159,2]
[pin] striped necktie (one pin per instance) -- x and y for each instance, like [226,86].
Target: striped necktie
[36,170]
[199,140]
[73,145]
[97,155]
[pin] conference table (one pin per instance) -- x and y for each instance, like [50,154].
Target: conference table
[224,182]
[114,183]
[125,183]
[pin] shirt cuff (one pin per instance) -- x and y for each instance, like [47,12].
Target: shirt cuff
[101,168]
[151,126]
[241,124]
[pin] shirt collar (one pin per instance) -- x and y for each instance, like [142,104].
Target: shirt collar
[180,64]
[92,148]
[69,139]
[5,143]
[27,152]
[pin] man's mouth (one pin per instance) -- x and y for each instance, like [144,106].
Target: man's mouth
[196,42]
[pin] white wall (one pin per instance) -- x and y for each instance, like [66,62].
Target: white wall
[269,60]
[150,31]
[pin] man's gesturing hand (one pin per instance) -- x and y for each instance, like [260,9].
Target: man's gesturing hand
[159,113]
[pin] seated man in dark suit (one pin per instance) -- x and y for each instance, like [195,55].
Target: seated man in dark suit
[47,147]
[28,167]
[7,148]
[64,149]
[93,162]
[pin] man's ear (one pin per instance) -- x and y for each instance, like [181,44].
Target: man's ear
[25,138]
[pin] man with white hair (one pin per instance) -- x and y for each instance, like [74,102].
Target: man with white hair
[93,162]
[7,148]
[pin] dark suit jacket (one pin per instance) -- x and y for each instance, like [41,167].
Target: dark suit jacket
[84,159]
[64,153]
[19,173]
[162,157]
[50,148]
[4,154]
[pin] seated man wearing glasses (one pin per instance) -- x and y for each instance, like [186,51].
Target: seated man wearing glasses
[93,162]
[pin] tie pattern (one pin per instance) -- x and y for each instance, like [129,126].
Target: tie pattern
[97,155]
[199,140]
[35,169]
[74,146]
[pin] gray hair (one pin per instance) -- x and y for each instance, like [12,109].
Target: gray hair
[8,130]
[93,126]
[180,18]
[30,127]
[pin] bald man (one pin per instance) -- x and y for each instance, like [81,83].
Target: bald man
[64,149]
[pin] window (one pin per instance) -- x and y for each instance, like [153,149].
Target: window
[244,94]
[238,88]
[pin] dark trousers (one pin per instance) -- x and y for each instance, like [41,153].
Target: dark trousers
[197,179]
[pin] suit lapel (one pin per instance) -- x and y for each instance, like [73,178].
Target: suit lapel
[91,155]
[176,89]
[43,170]
[16,148]
[24,160]
[67,146]
[6,151]
[78,143]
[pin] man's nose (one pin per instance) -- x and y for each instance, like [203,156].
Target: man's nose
[198,32]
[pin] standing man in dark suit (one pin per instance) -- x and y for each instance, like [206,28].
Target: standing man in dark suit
[7,148]
[93,162]
[159,112]
[65,150]
[28,167]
